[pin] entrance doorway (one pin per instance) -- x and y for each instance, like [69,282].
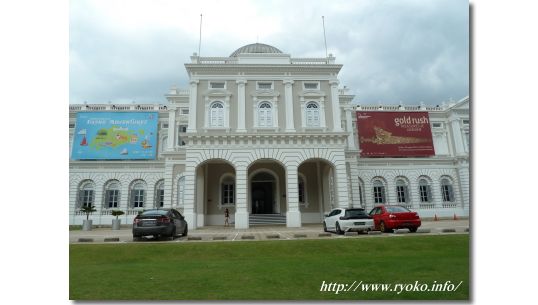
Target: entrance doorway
[262,198]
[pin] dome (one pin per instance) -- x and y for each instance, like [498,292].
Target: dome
[256,48]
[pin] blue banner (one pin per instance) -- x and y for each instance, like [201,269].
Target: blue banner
[115,136]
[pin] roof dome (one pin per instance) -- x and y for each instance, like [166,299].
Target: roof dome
[256,48]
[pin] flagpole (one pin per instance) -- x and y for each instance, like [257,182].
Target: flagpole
[200,39]
[324,37]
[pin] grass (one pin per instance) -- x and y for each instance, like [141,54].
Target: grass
[268,270]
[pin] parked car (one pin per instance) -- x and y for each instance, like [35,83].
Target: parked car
[389,217]
[341,220]
[159,222]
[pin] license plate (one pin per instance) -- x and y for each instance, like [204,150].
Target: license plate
[359,223]
[148,223]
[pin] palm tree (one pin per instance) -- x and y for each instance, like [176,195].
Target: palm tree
[88,209]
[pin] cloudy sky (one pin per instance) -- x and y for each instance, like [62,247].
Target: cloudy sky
[393,51]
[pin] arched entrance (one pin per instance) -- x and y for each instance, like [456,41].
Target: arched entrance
[215,191]
[266,188]
[263,186]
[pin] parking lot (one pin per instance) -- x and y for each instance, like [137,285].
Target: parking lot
[221,233]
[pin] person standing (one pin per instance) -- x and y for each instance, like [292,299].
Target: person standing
[226,217]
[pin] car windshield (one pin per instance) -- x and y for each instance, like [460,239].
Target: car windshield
[354,213]
[154,212]
[397,209]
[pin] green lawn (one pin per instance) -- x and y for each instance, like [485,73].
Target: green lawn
[268,270]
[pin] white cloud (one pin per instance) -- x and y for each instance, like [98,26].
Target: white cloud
[405,50]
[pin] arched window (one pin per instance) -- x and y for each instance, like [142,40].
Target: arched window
[181,191]
[379,191]
[447,190]
[159,194]
[138,194]
[402,191]
[312,115]
[112,194]
[265,115]
[424,189]
[227,190]
[216,115]
[86,194]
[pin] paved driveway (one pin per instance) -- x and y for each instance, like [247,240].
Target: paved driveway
[220,233]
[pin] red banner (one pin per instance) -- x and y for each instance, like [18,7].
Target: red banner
[394,134]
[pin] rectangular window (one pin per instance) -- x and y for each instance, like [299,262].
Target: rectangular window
[227,194]
[112,198]
[400,192]
[165,125]
[379,194]
[311,85]
[437,125]
[447,193]
[217,85]
[185,111]
[424,193]
[138,200]
[465,122]
[160,198]
[264,85]
[71,125]
[182,128]
[87,198]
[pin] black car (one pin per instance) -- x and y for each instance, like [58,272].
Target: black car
[159,222]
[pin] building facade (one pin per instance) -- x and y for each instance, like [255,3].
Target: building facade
[263,133]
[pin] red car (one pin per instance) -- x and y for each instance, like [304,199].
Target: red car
[389,217]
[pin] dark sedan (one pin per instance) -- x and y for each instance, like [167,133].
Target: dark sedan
[158,223]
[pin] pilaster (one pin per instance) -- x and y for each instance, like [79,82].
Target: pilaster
[288,97]
[193,97]
[335,103]
[171,128]
[241,105]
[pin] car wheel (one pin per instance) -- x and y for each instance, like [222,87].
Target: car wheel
[325,227]
[136,238]
[338,230]
[186,230]
[382,227]
[414,229]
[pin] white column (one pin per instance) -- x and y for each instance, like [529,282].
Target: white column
[241,211]
[168,184]
[189,210]
[171,128]
[288,98]
[341,191]
[335,103]
[293,215]
[193,97]
[349,127]
[354,173]
[241,105]
[457,134]
[463,174]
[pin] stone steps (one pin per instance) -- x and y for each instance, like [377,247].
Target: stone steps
[267,219]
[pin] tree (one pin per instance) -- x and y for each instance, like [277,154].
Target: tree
[117,213]
[88,209]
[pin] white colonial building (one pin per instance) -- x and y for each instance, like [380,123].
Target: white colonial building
[263,133]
